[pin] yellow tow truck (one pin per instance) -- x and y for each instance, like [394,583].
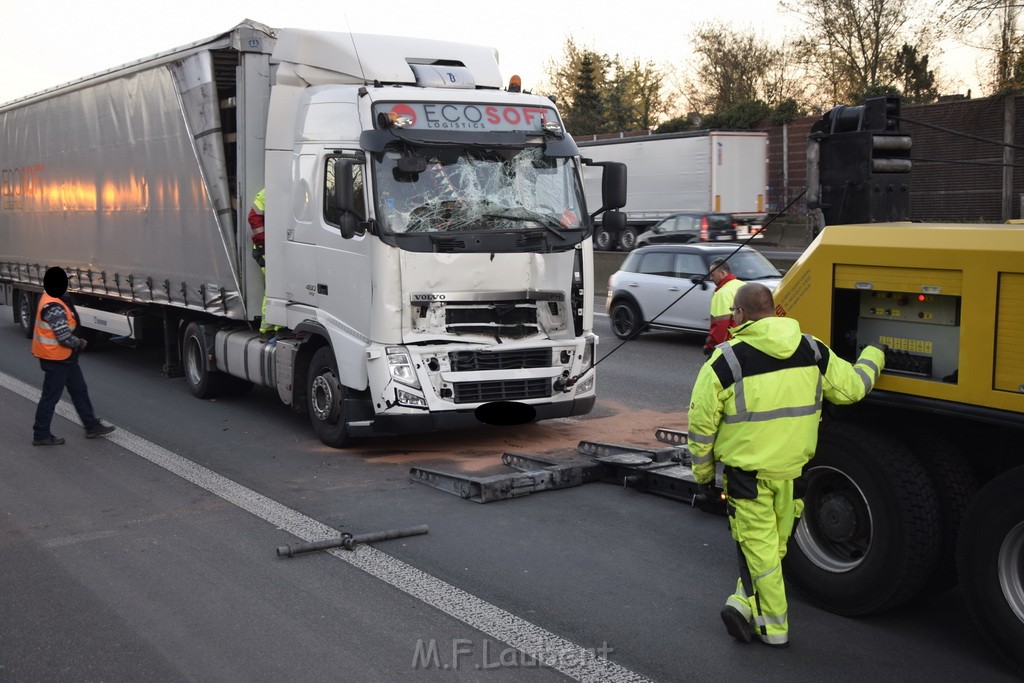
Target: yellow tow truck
[921,485]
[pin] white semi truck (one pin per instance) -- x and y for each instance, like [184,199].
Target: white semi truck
[427,237]
[706,171]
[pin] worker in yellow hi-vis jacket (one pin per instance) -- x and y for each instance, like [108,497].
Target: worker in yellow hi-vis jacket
[755,407]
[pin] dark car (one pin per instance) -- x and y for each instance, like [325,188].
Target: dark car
[645,292]
[690,226]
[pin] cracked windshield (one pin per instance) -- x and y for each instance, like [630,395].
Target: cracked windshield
[461,189]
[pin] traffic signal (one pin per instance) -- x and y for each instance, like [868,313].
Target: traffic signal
[862,160]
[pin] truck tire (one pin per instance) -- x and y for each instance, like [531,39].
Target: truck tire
[627,239]
[868,539]
[325,399]
[25,312]
[626,318]
[202,382]
[990,560]
[956,485]
[602,239]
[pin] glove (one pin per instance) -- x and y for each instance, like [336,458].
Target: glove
[257,253]
[705,494]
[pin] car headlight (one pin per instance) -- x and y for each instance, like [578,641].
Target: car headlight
[401,367]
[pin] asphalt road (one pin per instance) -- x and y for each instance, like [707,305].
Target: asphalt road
[149,555]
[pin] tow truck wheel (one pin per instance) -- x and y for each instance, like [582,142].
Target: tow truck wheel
[325,398]
[956,486]
[990,560]
[25,313]
[868,539]
[202,382]
[627,321]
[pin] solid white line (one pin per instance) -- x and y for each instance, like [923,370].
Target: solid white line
[551,650]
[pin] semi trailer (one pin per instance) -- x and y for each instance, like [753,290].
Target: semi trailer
[428,255]
[702,171]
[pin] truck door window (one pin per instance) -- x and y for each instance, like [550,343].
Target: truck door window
[358,192]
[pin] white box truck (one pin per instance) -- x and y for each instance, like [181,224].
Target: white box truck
[427,240]
[719,171]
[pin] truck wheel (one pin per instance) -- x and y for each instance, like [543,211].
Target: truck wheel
[990,559]
[955,485]
[25,312]
[868,539]
[602,240]
[627,239]
[202,382]
[627,321]
[325,399]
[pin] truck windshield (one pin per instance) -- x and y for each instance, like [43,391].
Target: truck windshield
[476,189]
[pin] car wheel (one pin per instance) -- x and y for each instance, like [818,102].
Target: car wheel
[627,322]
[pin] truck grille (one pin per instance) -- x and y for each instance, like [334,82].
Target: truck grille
[508,390]
[468,361]
[513,319]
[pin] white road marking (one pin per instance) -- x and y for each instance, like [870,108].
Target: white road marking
[577,662]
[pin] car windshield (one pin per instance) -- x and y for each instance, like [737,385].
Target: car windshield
[749,265]
[477,189]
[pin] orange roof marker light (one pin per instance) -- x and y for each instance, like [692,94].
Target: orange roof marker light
[515,84]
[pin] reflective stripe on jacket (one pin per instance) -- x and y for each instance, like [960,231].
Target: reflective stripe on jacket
[44,340]
[757,401]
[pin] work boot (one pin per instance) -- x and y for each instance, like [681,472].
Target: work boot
[98,429]
[737,626]
[48,441]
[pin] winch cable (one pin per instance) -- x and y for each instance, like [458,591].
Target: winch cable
[739,246]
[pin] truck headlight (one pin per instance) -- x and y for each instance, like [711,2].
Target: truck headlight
[406,398]
[586,386]
[401,367]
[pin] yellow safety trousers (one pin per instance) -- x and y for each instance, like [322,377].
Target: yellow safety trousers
[762,527]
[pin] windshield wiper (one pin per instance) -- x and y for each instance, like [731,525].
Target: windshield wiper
[546,222]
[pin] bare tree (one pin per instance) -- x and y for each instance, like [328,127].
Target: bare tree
[993,26]
[849,45]
[734,66]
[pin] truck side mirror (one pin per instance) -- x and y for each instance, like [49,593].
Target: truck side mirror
[614,221]
[613,185]
[343,199]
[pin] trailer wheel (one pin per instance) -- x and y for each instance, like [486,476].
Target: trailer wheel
[602,239]
[990,559]
[627,239]
[868,539]
[25,312]
[202,382]
[627,321]
[325,399]
[956,486]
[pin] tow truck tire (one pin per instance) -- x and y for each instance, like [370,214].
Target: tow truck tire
[627,239]
[626,318]
[990,560]
[325,399]
[868,539]
[25,312]
[602,239]
[202,382]
[956,485]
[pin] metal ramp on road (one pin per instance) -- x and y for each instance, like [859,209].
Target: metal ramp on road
[661,471]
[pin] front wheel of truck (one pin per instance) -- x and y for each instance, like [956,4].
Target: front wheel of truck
[325,399]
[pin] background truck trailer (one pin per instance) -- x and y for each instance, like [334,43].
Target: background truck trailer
[919,486]
[720,171]
[427,241]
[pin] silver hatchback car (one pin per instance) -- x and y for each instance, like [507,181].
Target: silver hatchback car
[645,292]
